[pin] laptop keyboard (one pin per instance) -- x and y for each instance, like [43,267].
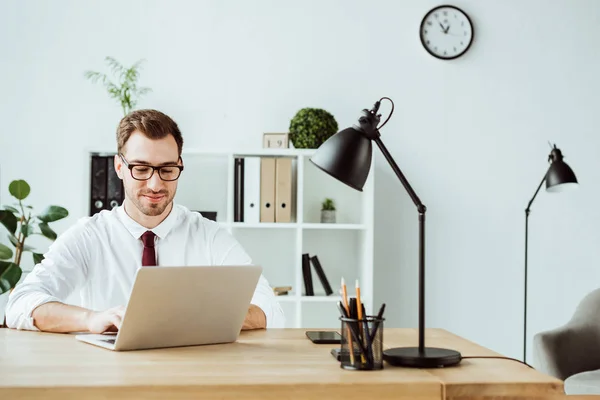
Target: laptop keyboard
[111,341]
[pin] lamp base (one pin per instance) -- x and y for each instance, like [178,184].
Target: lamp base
[431,357]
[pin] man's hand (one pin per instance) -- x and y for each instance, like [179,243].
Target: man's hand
[255,319]
[105,321]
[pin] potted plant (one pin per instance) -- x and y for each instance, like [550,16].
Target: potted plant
[328,211]
[126,91]
[21,223]
[310,127]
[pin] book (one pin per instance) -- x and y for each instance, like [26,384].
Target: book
[321,274]
[308,286]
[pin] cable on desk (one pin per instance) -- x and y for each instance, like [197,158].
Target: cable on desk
[501,358]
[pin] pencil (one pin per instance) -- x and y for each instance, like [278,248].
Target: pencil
[345,300]
[360,316]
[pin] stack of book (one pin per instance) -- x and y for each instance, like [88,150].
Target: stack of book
[281,290]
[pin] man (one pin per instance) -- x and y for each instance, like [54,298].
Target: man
[100,255]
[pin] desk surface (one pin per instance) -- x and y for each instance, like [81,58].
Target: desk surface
[273,364]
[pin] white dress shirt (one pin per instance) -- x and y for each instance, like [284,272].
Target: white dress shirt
[99,257]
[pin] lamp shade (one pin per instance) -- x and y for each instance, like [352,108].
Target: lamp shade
[560,176]
[346,156]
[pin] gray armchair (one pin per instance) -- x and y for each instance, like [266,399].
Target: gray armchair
[572,351]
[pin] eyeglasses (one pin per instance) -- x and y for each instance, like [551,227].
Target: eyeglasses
[143,172]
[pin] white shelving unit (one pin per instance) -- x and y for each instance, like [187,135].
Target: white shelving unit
[345,248]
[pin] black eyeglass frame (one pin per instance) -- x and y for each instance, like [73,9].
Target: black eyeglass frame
[132,166]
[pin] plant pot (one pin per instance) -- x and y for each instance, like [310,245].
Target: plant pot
[328,216]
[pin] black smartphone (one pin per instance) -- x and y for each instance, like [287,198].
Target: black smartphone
[324,337]
[340,355]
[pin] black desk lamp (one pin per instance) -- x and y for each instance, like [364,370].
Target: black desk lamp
[558,178]
[347,157]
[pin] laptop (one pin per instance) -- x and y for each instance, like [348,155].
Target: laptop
[183,306]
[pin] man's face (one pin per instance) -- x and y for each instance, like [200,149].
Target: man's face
[151,197]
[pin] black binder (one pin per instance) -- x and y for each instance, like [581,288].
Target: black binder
[238,190]
[106,188]
[317,265]
[308,286]
[98,198]
[114,187]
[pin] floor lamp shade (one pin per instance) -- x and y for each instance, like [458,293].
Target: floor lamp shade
[560,176]
[346,156]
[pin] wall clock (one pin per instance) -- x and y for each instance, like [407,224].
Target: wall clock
[446,32]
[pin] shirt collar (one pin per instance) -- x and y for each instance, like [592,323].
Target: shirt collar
[136,230]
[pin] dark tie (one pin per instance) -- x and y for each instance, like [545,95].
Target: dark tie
[149,255]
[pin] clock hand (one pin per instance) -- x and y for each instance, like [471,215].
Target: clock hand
[443,29]
[446,30]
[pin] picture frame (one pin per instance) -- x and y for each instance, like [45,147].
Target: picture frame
[275,140]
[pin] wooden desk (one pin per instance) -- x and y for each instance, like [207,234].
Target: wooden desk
[272,364]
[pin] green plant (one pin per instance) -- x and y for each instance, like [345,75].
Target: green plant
[328,204]
[310,127]
[21,223]
[126,92]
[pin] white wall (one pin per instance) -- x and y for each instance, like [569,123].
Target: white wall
[470,134]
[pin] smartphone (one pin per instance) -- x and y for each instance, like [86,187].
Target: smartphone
[340,355]
[324,337]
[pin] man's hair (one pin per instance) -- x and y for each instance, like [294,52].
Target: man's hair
[152,123]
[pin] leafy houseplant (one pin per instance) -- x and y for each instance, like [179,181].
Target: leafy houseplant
[310,127]
[21,223]
[126,91]
[328,211]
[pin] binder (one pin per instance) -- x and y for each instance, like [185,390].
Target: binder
[321,274]
[98,199]
[307,275]
[283,189]
[238,189]
[267,189]
[251,197]
[114,188]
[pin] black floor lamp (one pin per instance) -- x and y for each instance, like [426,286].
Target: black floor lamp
[558,178]
[346,156]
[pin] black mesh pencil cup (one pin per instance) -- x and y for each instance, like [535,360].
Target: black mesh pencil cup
[362,343]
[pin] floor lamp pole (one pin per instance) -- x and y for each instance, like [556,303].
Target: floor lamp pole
[527,211]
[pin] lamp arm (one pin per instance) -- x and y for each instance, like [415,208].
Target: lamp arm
[420,207]
[535,194]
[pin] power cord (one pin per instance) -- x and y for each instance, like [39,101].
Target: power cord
[391,112]
[501,358]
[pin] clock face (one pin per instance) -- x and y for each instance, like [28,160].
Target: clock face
[446,32]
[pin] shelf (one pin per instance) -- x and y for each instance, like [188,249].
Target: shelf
[250,153]
[334,226]
[224,152]
[263,225]
[281,225]
[308,299]
[315,299]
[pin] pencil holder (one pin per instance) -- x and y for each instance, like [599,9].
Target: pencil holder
[362,343]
